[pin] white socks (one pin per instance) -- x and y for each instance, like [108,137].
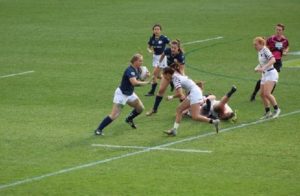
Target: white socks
[176,125]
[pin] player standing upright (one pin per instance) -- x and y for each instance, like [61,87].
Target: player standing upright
[269,77]
[279,45]
[175,56]
[124,94]
[156,45]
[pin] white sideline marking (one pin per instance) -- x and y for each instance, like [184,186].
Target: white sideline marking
[201,41]
[17,74]
[152,148]
[294,53]
[37,178]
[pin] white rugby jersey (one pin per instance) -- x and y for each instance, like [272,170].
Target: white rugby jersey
[184,82]
[264,55]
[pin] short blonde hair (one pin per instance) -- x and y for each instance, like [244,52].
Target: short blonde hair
[136,57]
[260,40]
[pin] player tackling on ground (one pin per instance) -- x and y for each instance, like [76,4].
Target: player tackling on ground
[192,101]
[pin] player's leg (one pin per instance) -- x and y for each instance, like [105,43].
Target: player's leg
[156,74]
[195,111]
[115,112]
[138,109]
[277,66]
[255,91]
[265,102]
[162,89]
[225,99]
[179,110]
[269,85]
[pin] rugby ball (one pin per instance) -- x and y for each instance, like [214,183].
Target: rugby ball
[143,72]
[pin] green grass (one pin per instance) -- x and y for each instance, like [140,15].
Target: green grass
[295,63]
[79,49]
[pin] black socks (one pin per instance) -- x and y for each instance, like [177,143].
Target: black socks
[157,102]
[106,121]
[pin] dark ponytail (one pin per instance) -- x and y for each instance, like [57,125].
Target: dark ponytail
[168,70]
[156,25]
[175,67]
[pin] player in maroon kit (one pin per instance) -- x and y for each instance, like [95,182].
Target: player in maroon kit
[278,45]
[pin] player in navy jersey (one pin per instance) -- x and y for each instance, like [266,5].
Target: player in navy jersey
[175,56]
[156,45]
[124,94]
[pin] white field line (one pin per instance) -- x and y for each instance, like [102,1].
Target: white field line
[91,164]
[294,53]
[152,148]
[203,40]
[17,74]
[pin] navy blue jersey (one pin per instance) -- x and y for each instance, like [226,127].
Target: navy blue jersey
[126,87]
[171,58]
[158,44]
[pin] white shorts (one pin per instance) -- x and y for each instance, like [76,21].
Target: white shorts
[195,96]
[269,76]
[155,62]
[120,98]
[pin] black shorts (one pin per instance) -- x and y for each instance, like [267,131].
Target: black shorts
[278,65]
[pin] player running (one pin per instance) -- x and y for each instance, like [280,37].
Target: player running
[125,94]
[279,45]
[269,77]
[156,45]
[175,56]
[192,101]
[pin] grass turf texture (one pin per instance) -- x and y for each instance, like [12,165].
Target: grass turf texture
[79,50]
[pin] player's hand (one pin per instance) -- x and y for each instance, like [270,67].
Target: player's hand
[148,74]
[170,97]
[258,68]
[149,50]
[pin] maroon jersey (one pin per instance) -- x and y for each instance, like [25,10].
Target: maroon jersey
[277,45]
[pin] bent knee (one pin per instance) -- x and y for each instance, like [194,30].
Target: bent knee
[114,116]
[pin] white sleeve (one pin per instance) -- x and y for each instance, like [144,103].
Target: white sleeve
[268,54]
[176,81]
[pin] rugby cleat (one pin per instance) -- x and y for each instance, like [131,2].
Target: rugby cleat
[216,123]
[149,94]
[233,88]
[267,115]
[131,123]
[151,112]
[276,113]
[99,132]
[171,132]
[252,98]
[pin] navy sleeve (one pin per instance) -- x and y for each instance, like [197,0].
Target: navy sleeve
[166,40]
[131,73]
[181,59]
[150,41]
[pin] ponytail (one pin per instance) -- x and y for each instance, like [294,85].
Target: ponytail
[178,43]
